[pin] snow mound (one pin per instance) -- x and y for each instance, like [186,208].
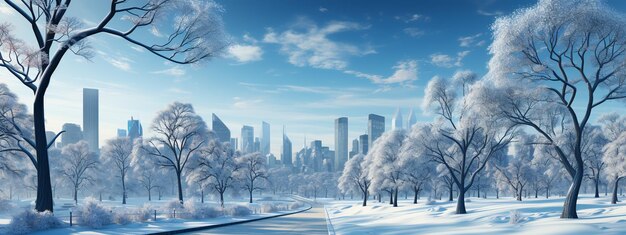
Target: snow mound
[436,209]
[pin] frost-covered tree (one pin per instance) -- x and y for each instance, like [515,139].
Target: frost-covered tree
[465,136]
[553,64]
[278,179]
[354,177]
[613,127]
[385,169]
[515,169]
[216,168]
[184,32]
[251,172]
[179,133]
[78,166]
[116,154]
[591,147]
[417,167]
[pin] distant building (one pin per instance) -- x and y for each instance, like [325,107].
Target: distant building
[287,152]
[247,139]
[72,134]
[355,148]
[341,143]
[257,145]
[234,142]
[121,133]
[50,137]
[271,161]
[265,138]
[375,127]
[396,121]
[90,118]
[221,131]
[134,129]
[363,144]
[412,119]
[317,156]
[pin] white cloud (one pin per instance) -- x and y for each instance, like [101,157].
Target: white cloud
[323,9]
[447,61]
[405,72]
[409,18]
[489,13]
[245,53]
[415,17]
[242,103]
[173,71]
[137,48]
[470,41]
[313,47]
[155,31]
[414,32]
[120,62]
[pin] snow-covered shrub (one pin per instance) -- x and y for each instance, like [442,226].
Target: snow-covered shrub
[121,217]
[515,217]
[92,214]
[29,221]
[171,206]
[6,205]
[143,214]
[238,210]
[429,201]
[295,205]
[273,207]
[195,210]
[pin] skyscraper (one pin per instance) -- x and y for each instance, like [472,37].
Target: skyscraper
[72,134]
[265,138]
[257,145]
[121,133]
[317,155]
[286,154]
[247,139]
[220,129]
[341,143]
[364,142]
[412,119]
[134,129]
[90,118]
[375,128]
[355,148]
[396,121]
[233,143]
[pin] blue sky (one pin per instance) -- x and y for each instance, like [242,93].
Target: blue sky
[295,63]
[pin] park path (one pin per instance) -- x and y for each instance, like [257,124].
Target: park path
[312,221]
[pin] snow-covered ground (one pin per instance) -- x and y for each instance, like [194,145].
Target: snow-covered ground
[485,216]
[162,224]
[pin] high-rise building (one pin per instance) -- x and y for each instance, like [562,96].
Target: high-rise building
[285,157]
[233,143]
[90,118]
[257,145]
[247,139]
[221,131]
[121,133]
[412,119]
[364,142]
[72,134]
[355,148]
[341,143]
[265,138]
[396,121]
[271,160]
[317,155]
[134,129]
[375,128]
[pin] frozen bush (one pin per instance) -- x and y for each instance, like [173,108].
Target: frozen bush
[92,214]
[121,217]
[295,205]
[273,207]
[171,206]
[195,210]
[29,221]
[515,217]
[429,201]
[238,210]
[6,205]
[143,214]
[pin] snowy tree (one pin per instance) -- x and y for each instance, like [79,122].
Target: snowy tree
[417,167]
[614,156]
[515,169]
[252,170]
[278,179]
[385,169]
[591,148]
[78,166]
[465,136]
[184,32]
[179,133]
[116,153]
[216,168]
[558,60]
[354,177]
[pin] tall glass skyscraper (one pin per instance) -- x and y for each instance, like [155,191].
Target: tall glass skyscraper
[134,129]
[285,157]
[341,143]
[396,121]
[72,134]
[363,144]
[90,118]
[265,138]
[375,128]
[247,139]
[412,119]
[220,129]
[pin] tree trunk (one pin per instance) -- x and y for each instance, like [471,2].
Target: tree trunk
[395,199]
[451,196]
[76,195]
[379,200]
[123,191]
[390,197]
[615,185]
[569,207]
[415,190]
[222,199]
[149,196]
[202,196]
[44,201]
[180,187]
[250,195]
[536,192]
[365,198]
[460,204]
[596,181]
